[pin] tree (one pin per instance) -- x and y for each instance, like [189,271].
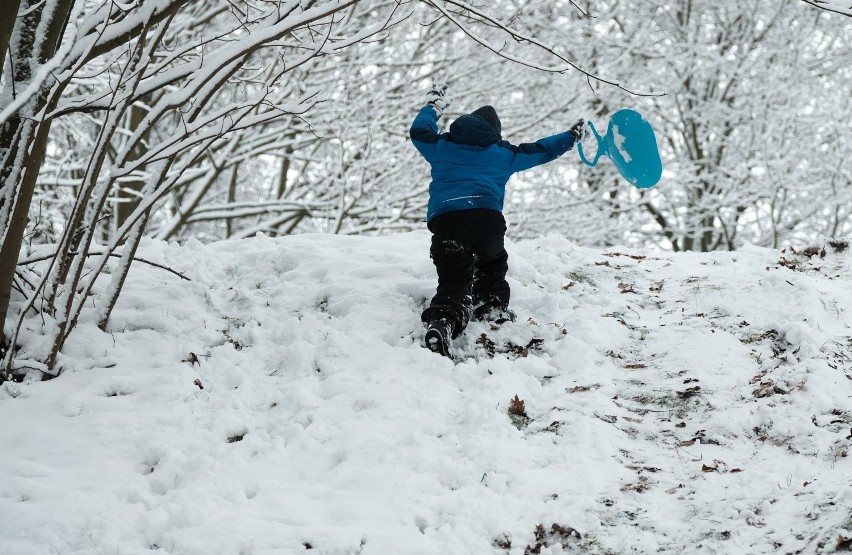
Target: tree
[129,49]
[748,131]
[736,115]
[171,102]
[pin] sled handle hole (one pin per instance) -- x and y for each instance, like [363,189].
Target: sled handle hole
[601,150]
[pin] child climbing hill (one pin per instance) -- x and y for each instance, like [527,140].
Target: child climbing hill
[471,165]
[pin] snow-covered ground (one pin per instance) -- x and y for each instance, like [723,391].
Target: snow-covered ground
[281,402]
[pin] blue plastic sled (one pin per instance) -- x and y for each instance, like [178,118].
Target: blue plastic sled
[632,146]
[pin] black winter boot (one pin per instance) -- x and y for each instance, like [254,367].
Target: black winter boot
[438,337]
[491,313]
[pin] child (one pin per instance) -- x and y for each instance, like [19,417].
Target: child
[470,167]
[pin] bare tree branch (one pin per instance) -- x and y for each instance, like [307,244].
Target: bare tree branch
[823,5]
[520,37]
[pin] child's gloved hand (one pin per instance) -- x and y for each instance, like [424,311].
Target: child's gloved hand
[438,98]
[579,131]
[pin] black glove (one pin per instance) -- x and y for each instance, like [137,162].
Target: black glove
[438,98]
[579,131]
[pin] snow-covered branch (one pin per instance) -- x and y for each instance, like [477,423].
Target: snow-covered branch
[842,7]
[478,15]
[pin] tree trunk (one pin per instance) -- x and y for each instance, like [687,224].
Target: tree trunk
[7,23]
[23,141]
[34,138]
[282,175]
[127,196]
[232,194]
[120,275]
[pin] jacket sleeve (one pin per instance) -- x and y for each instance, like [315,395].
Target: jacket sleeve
[424,132]
[530,155]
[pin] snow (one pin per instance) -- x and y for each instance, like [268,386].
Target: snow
[618,139]
[281,402]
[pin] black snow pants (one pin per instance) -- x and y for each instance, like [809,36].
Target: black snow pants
[468,252]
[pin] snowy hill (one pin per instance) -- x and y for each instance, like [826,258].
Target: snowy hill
[281,402]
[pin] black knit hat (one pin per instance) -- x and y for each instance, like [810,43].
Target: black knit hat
[489,114]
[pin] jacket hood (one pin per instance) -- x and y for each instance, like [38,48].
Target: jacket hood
[474,131]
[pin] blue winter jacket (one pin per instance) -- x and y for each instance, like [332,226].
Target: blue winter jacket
[472,164]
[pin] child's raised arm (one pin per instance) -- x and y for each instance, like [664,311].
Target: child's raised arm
[424,130]
[530,155]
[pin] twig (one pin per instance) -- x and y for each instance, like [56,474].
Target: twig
[816,4]
[116,255]
[518,37]
[581,10]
